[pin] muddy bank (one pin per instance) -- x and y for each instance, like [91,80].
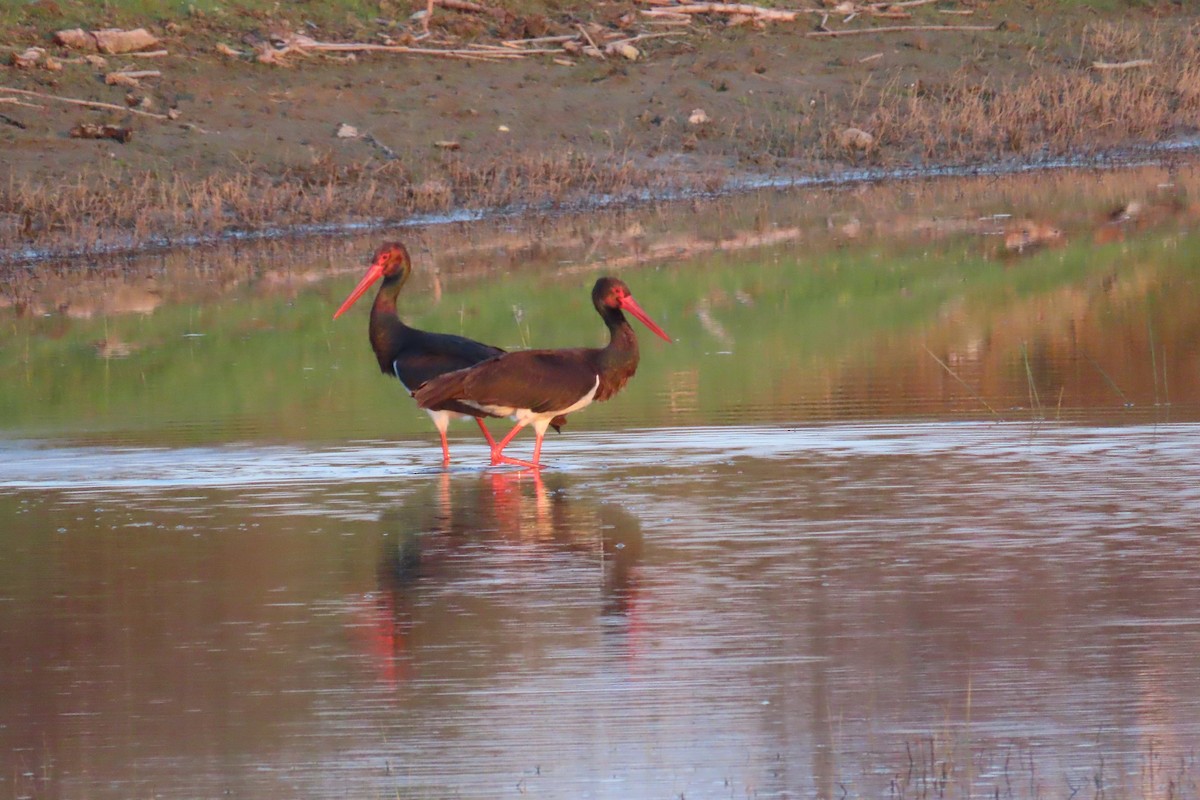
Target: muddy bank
[1003,219]
[256,148]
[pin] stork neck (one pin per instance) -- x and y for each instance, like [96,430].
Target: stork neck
[619,360]
[388,331]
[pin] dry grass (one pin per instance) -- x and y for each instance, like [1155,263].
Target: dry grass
[1055,111]
[969,116]
[117,210]
[1066,106]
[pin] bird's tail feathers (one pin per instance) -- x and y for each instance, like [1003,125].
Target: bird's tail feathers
[441,389]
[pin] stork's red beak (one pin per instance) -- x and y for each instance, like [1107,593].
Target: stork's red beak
[373,274]
[630,305]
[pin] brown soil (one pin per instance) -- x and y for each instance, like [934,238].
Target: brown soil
[256,145]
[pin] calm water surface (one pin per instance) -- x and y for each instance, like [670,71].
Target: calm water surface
[899,515]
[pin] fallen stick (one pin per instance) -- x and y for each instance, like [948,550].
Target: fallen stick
[88,103]
[901,29]
[388,152]
[12,101]
[5,118]
[138,73]
[90,130]
[1140,62]
[468,6]
[308,45]
[148,54]
[642,37]
[743,9]
[537,40]
[507,52]
[591,41]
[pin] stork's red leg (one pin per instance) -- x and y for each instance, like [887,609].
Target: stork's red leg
[486,433]
[498,456]
[537,450]
[445,449]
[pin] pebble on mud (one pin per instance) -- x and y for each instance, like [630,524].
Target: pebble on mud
[108,40]
[91,130]
[856,139]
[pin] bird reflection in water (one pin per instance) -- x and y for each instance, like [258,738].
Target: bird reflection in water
[497,526]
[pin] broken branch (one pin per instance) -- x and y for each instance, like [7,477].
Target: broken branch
[742,9]
[590,41]
[900,29]
[469,7]
[1140,62]
[88,103]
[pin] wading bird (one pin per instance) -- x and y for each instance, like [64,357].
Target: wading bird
[536,386]
[415,356]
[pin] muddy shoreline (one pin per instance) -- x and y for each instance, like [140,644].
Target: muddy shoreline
[1164,154]
[255,152]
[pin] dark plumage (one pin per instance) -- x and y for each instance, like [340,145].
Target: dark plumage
[415,356]
[532,386]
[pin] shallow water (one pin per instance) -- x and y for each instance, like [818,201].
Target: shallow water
[894,517]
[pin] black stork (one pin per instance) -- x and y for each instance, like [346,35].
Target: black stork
[415,356]
[537,386]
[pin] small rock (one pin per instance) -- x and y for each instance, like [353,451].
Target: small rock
[625,50]
[345,131]
[91,130]
[76,39]
[27,60]
[121,79]
[447,145]
[698,117]
[856,139]
[108,40]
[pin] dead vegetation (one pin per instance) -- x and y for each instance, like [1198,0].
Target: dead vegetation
[1130,84]
[744,98]
[116,210]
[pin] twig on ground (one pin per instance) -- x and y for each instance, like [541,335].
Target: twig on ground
[642,37]
[305,45]
[901,29]
[1106,65]
[469,7]
[12,101]
[740,9]
[591,41]
[388,152]
[88,103]
[537,40]
[903,4]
